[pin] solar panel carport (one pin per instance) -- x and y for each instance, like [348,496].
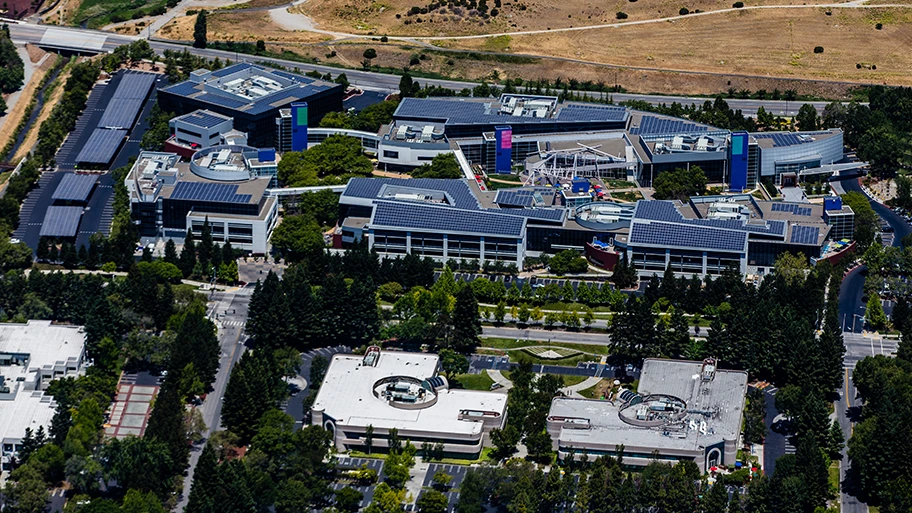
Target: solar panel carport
[74,187]
[101,146]
[61,222]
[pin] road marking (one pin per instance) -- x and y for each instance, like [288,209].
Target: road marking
[846,391]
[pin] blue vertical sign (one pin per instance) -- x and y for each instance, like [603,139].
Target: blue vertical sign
[299,126]
[503,140]
[738,159]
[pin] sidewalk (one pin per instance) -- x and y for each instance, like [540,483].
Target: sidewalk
[573,390]
[498,377]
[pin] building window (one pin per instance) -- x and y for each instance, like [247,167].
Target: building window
[425,159]
[390,154]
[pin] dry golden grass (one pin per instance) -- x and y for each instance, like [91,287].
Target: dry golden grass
[237,26]
[379,16]
[15,115]
[781,44]
[641,81]
[32,137]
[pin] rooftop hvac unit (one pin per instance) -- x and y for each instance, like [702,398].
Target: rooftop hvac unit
[677,143]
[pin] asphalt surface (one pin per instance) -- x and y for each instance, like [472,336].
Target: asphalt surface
[228,310]
[22,33]
[294,406]
[99,212]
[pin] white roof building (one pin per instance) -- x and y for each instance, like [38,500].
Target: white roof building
[31,356]
[398,390]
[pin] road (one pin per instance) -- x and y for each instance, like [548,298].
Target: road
[23,33]
[858,345]
[228,309]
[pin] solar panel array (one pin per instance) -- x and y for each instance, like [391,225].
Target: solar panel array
[127,100]
[369,188]
[787,138]
[544,214]
[101,146]
[465,112]
[666,211]
[74,187]
[798,210]
[654,125]
[203,119]
[61,222]
[205,191]
[804,235]
[688,236]
[518,198]
[443,219]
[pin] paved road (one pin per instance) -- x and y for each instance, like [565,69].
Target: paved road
[22,33]
[229,312]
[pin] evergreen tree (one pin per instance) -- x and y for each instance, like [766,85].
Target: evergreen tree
[206,247]
[197,344]
[205,483]
[171,253]
[82,255]
[187,260]
[166,423]
[363,319]
[466,322]
[199,30]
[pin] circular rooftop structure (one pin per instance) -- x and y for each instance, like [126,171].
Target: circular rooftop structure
[222,163]
[408,393]
[652,411]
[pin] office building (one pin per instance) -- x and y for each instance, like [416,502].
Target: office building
[220,183]
[31,356]
[385,390]
[252,96]
[682,411]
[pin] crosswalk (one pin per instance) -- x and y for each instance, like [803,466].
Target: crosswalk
[232,324]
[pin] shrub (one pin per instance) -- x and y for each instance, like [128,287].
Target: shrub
[621,15]
[879,26]
[683,11]
[857,66]
[873,66]
[414,10]
[398,16]
[191,12]
[384,39]
[738,5]
[818,49]
[414,61]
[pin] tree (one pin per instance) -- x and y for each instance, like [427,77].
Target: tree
[318,367]
[348,499]
[171,253]
[331,162]
[444,165]
[807,118]
[386,500]
[297,238]
[874,313]
[500,312]
[867,222]
[624,275]
[432,501]
[199,30]
[369,55]
[453,363]
[26,491]
[166,423]
[679,184]
[405,83]
[466,322]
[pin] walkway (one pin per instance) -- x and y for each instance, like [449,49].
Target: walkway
[498,377]
[574,390]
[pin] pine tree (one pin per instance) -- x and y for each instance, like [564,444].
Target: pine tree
[199,30]
[466,322]
[205,483]
[187,261]
[206,246]
[82,255]
[171,253]
[166,423]
[363,321]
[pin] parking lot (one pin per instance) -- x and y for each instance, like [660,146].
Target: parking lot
[346,463]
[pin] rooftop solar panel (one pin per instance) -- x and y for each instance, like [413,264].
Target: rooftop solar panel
[101,146]
[514,198]
[543,214]
[653,125]
[203,119]
[804,235]
[134,86]
[74,187]
[61,222]
[445,219]
[458,190]
[467,112]
[687,236]
[206,191]
[665,211]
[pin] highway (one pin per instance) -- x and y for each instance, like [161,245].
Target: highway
[24,33]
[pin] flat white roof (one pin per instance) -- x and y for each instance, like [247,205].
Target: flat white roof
[347,396]
[30,409]
[46,344]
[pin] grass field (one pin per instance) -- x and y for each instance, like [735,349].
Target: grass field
[379,16]
[596,391]
[717,44]
[236,26]
[475,381]
[573,380]
[98,13]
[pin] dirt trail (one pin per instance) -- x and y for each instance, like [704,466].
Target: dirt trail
[15,115]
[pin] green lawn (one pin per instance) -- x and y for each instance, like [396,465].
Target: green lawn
[619,184]
[590,392]
[512,343]
[520,356]
[574,380]
[834,476]
[98,13]
[627,196]
[475,381]
[493,186]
